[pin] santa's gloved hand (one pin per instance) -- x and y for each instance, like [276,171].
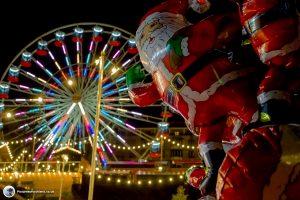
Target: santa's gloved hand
[174,43]
[135,75]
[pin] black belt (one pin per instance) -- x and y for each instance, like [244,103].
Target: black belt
[180,79]
[284,9]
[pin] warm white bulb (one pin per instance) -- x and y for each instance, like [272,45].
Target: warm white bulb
[114,70]
[70,82]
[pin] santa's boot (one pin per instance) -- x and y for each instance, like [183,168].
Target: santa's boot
[275,111]
[274,101]
[208,197]
[213,160]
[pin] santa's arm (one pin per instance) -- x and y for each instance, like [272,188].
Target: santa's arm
[180,7]
[141,94]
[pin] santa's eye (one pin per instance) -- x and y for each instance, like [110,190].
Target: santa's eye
[153,24]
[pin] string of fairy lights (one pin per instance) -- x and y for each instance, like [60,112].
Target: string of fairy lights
[102,178]
[19,168]
[25,158]
[50,169]
[115,146]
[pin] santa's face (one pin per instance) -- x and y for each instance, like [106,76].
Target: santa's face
[152,37]
[200,6]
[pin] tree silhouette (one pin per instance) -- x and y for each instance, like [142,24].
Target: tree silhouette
[180,194]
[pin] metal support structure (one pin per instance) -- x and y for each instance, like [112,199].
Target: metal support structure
[96,131]
[165,118]
[61,181]
[65,161]
[161,148]
[33,147]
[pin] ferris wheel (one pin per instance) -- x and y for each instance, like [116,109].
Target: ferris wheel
[49,92]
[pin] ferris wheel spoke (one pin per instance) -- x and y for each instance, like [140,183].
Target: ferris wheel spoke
[53,89]
[58,66]
[13,103]
[59,141]
[72,125]
[83,66]
[32,92]
[31,132]
[67,59]
[81,135]
[134,115]
[89,122]
[126,126]
[35,110]
[93,88]
[121,100]
[69,128]
[54,134]
[91,112]
[127,105]
[47,71]
[122,124]
[21,116]
[107,65]
[137,117]
[90,56]
[36,120]
[90,66]
[112,132]
[112,152]
[92,81]
[76,135]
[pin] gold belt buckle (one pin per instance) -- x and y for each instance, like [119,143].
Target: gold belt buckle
[178,82]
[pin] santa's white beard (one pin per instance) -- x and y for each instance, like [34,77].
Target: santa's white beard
[152,53]
[155,51]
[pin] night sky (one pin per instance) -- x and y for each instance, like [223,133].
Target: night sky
[23,21]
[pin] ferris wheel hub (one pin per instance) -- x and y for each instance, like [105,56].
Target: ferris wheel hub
[76,98]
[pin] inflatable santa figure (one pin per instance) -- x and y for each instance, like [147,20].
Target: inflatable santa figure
[274,29]
[192,72]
